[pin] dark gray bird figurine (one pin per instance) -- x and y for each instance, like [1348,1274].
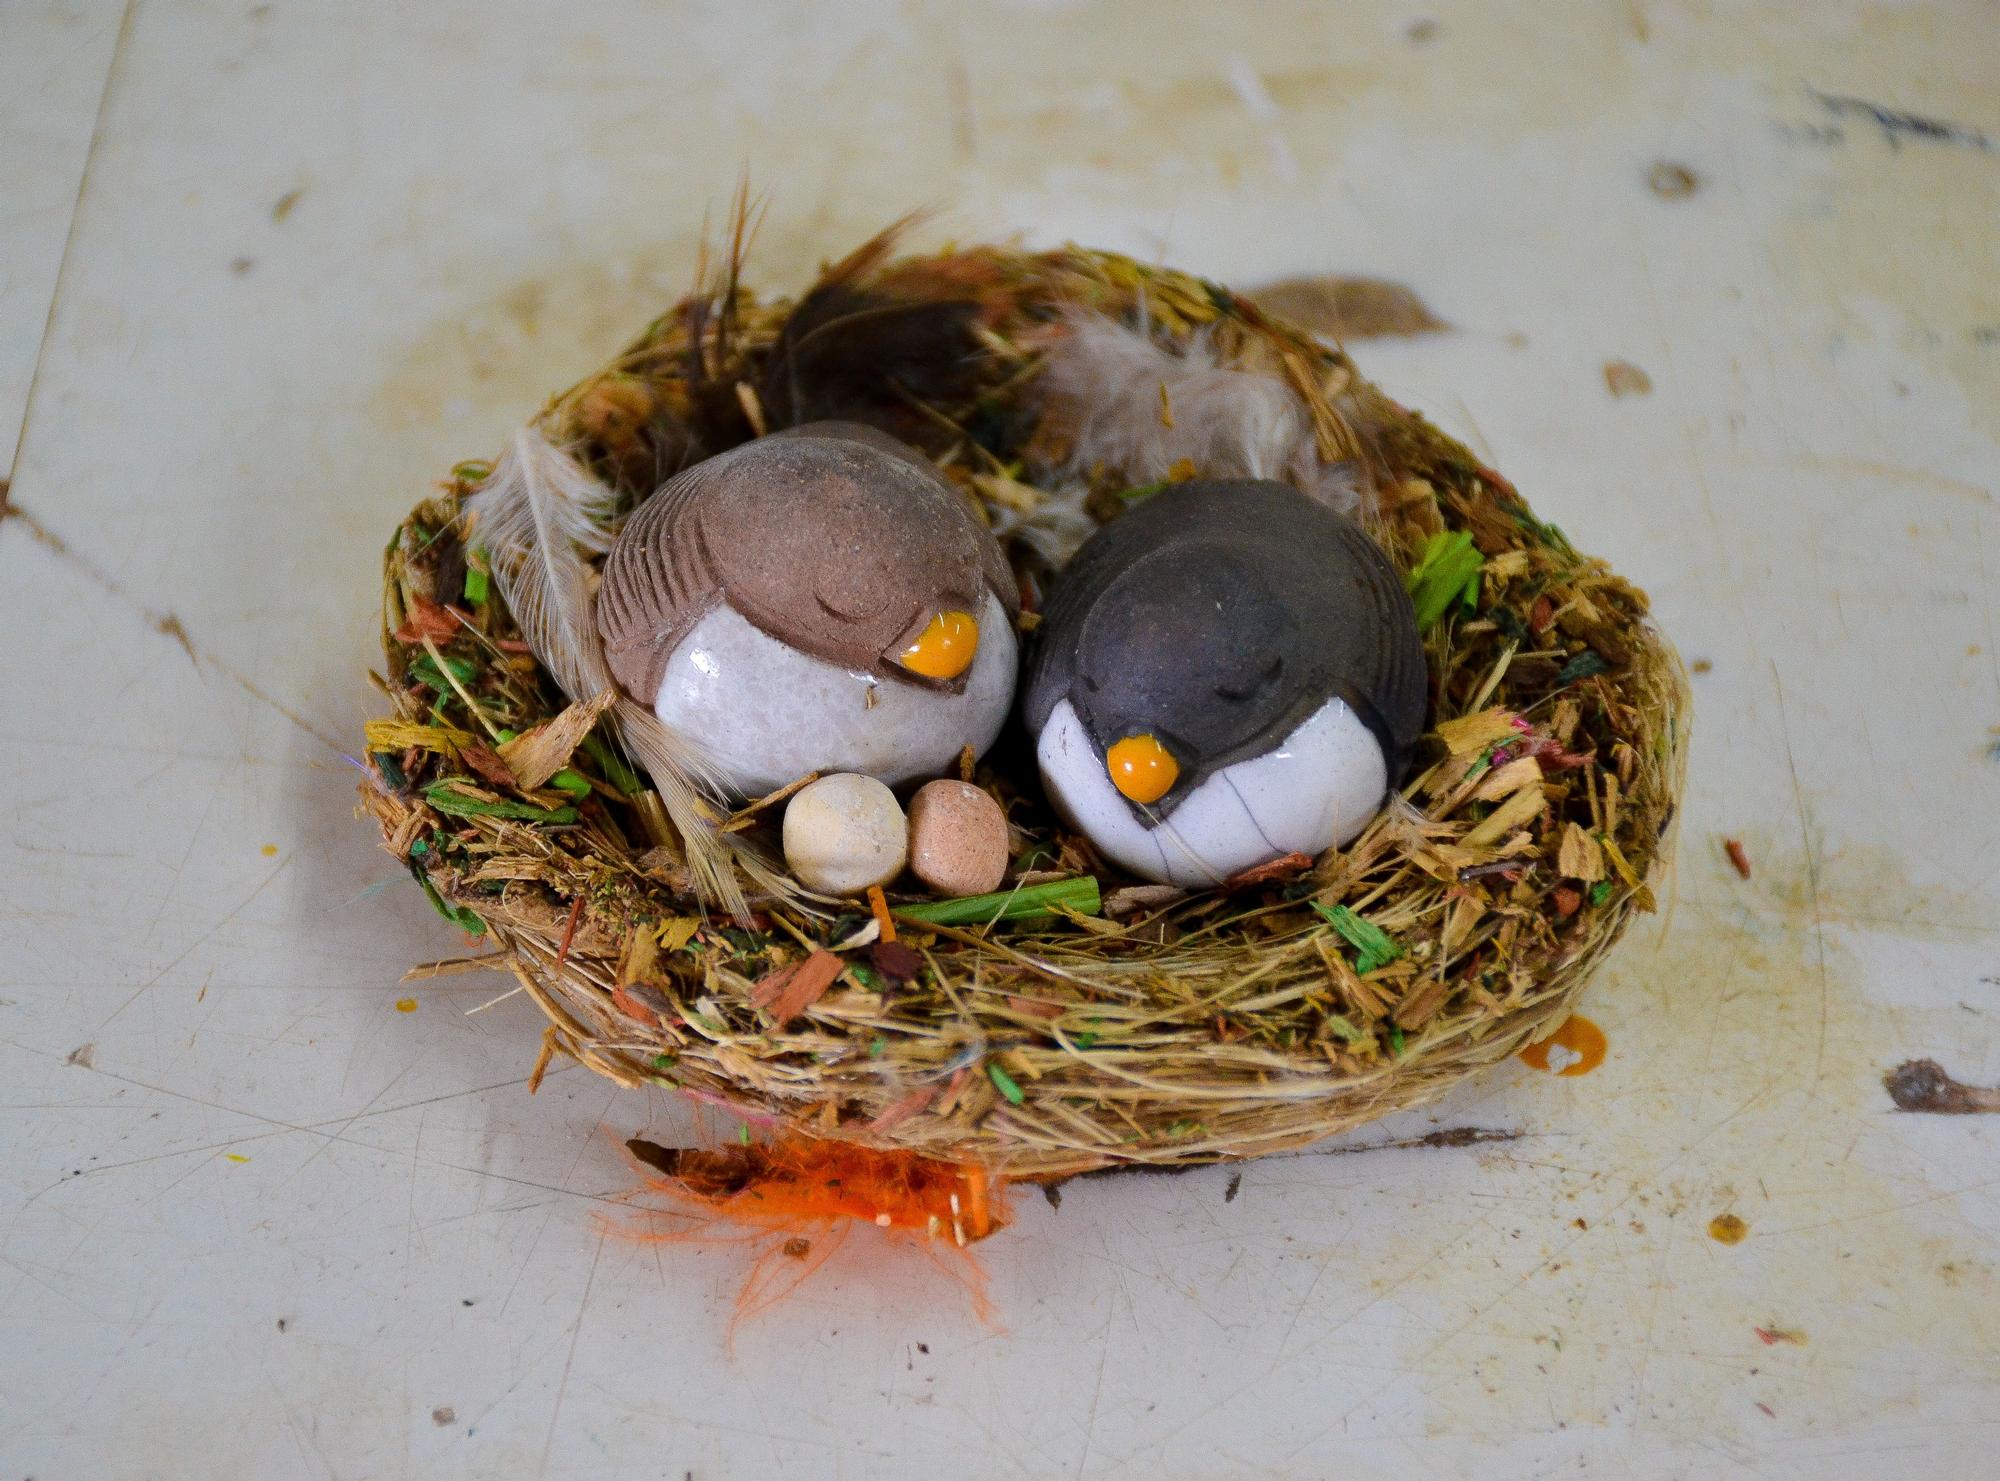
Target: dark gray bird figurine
[1228,673]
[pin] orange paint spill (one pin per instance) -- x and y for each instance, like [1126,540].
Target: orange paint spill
[406,1005]
[1727,1229]
[1577,1048]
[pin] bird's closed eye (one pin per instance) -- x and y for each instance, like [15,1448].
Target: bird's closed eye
[1238,690]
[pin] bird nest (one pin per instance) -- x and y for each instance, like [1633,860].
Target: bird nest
[1084,1019]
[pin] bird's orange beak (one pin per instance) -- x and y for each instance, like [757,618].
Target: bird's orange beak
[1141,768]
[944,649]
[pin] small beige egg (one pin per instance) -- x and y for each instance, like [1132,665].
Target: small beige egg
[844,833]
[958,838]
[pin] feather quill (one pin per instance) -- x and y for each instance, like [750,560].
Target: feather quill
[541,518]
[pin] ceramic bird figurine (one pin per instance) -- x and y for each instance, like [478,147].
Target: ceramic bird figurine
[1228,673]
[818,599]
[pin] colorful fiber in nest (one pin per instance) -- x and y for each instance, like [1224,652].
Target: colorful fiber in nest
[805,1195]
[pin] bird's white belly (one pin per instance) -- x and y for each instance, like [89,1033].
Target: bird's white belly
[1319,787]
[766,713]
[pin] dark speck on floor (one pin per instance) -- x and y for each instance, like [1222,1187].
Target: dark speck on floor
[1923,1085]
[1672,182]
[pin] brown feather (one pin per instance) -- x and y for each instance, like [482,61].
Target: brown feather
[858,349]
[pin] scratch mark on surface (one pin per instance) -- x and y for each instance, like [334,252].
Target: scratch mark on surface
[1811,855]
[1885,472]
[575,1331]
[166,624]
[1096,1395]
[69,240]
[189,950]
[1897,124]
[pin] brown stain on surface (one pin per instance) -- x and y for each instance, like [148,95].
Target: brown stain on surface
[1672,182]
[1923,1085]
[1345,308]
[1623,378]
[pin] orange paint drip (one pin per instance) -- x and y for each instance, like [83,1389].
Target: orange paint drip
[800,1197]
[1577,1048]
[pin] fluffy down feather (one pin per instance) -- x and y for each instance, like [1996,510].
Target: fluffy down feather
[1140,409]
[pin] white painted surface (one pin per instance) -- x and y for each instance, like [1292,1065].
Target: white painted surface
[490,198]
[55,59]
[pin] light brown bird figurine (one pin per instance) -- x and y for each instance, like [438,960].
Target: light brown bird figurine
[820,599]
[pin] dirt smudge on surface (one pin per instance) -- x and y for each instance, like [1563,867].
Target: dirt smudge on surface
[1748,1074]
[1346,308]
[1898,125]
[1672,182]
[1923,1085]
[1622,378]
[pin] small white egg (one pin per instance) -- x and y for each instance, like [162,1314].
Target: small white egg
[844,833]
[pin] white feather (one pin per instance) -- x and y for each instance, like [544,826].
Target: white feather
[1054,528]
[541,518]
[1140,409]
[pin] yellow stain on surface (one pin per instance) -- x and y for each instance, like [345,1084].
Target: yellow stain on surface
[270,851]
[1727,1229]
[235,1157]
[406,1005]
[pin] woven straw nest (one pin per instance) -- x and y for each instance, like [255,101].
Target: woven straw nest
[1457,929]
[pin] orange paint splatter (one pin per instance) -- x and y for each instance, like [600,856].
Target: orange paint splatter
[1577,1048]
[1772,1336]
[406,1005]
[1727,1229]
[270,851]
